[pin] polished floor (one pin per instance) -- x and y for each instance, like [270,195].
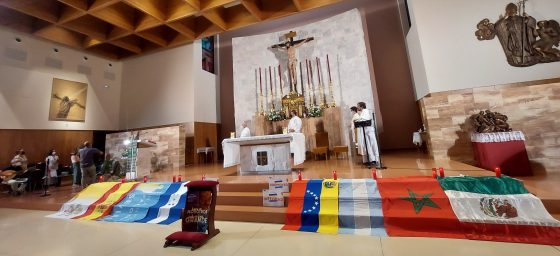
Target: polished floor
[28,232]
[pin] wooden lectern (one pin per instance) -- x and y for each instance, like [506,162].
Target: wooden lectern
[197,218]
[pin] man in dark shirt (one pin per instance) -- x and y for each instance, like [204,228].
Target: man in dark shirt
[87,163]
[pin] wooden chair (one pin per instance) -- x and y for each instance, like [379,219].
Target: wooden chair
[340,150]
[321,145]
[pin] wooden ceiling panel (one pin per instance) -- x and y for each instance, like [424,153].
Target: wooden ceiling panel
[16,20]
[61,35]
[133,27]
[47,10]
[78,4]
[238,16]
[90,26]
[178,9]
[119,14]
[69,13]
[111,51]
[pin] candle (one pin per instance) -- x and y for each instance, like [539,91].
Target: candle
[101,178]
[498,172]
[280,76]
[298,175]
[123,180]
[441,172]
[145,179]
[270,78]
[301,77]
[179,178]
[260,79]
[318,70]
[374,173]
[329,68]
[307,70]
[174,178]
[434,173]
[312,86]
[334,175]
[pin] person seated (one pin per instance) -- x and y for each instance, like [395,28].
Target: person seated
[111,168]
[19,162]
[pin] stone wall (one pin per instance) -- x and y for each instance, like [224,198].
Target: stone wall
[168,153]
[533,108]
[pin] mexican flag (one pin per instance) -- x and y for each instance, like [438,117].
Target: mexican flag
[500,209]
[417,206]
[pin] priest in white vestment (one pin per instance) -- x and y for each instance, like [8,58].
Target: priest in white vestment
[354,131]
[295,122]
[245,132]
[370,145]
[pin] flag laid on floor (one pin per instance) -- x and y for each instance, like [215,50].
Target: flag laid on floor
[311,206]
[500,209]
[328,214]
[417,206]
[360,208]
[78,205]
[137,203]
[103,208]
[169,206]
[295,205]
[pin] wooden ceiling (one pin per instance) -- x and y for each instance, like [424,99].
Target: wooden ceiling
[118,29]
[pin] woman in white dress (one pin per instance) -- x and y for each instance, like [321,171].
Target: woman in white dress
[52,166]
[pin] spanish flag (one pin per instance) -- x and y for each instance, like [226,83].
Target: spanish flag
[105,207]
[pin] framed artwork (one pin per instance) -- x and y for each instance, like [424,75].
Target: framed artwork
[68,101]
[208,54]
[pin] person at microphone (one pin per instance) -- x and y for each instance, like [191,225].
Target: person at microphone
[370,143]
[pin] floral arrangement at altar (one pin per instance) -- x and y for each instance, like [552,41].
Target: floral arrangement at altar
[315,111]
[275,115]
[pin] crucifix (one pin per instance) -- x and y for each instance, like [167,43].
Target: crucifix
[290,45]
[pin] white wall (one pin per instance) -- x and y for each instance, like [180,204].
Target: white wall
[452,56]
[25,86]
[167,87]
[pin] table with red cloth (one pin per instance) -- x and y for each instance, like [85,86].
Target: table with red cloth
[502,149]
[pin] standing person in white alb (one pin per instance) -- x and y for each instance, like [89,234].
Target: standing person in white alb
[370,139]
[295,122]
[246,132]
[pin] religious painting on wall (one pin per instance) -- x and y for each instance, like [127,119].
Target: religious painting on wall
[208,54]
[68,101]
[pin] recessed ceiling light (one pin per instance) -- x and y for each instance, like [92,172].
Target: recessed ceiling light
[18,39]
[55,49]
[106,86]
[85,58]
[110,65]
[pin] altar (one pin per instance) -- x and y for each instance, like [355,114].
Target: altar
[269,154]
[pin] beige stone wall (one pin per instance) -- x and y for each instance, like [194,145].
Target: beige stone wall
[168,153]
[533,109]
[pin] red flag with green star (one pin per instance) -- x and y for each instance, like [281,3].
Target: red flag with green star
[417,206]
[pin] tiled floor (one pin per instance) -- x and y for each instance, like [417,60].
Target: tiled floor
[27,232]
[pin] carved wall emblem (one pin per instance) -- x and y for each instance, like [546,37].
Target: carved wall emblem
[525,41]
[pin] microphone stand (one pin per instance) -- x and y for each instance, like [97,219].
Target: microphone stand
[46,180]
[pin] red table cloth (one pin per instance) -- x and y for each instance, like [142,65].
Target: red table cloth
[502,149]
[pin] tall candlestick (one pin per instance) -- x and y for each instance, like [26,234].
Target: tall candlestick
[301,76]
[280,76]
[331,91]
[308,84]
[257,89]
[321,87]
[329,68]
[271,90]
[260,79]
[312,81]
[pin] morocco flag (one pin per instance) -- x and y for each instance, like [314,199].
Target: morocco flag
[500,209]
[417,206]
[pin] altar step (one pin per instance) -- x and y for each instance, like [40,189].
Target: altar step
[243,202]
[251,213]
[244,198]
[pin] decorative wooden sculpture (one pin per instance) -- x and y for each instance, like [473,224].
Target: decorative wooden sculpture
[525,41]
[488,121]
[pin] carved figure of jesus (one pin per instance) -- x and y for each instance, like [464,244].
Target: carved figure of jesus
[65,105]
[290,47]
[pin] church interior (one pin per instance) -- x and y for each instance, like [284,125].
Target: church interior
[223,127]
